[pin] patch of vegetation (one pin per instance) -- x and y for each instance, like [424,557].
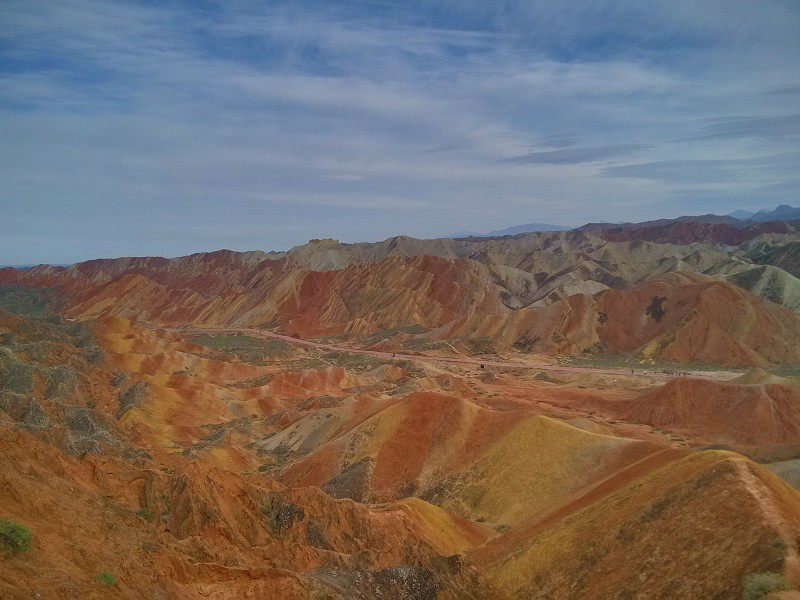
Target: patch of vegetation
[656,310]
[279,513]
[244,347]
[779,543]
[412,368]
[699,366]
[603,360]
[385,334]
[106,578]
[315,534]
[333,339]
[637,363]
[717,447]
[14,537]
[226,341]
[25,301]
[133,397]
[15,375]
[145,514]
[787,370]
[424,344]
[759,585]
[481,345]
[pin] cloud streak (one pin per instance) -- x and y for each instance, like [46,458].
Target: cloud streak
[575,156]
[364,120]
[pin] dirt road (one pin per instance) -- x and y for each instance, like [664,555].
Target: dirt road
[713,375]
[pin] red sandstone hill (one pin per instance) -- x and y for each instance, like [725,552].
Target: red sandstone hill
[747,414]
[678,316]
[730,413]
[132,450]
[686,318]
[685,232]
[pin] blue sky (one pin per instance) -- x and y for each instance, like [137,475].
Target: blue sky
[165,128]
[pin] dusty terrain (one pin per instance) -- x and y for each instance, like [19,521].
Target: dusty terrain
[567,292]
[411,419]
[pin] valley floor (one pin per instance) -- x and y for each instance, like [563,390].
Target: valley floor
[215,463]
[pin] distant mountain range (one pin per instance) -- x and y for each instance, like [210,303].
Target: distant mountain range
[24,267]
[515,230]
[783,213]
[738,218]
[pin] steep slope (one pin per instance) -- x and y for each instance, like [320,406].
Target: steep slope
[360,298]
[98,490]
[542,262]
[755,414]
[775,252]
[687,318]
[495,465]
[747,519]
[213,533]
[564,327]
[772,283]
[164,457]
[680,317]
[761,376]
[556,292]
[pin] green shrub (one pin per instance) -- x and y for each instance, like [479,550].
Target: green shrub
[14,537]
[758,585]
[145,514]
[106,578]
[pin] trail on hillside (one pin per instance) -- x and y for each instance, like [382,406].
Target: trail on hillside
[712,375]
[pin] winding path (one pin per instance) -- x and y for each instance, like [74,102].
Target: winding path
[262,333]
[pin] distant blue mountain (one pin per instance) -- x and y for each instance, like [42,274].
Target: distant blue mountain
[783,213]
[741,214]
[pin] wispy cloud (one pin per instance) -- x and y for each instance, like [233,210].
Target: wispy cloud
[763,169]
[574,156]
[364,120]
[758,127]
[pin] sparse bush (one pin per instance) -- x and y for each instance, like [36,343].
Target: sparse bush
[106,578]
[14,537]
[758,585]
[145,514]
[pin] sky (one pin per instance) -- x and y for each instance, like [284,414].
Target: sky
[131,128]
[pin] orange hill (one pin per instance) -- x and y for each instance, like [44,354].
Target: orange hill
[754,414]
[681,317]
